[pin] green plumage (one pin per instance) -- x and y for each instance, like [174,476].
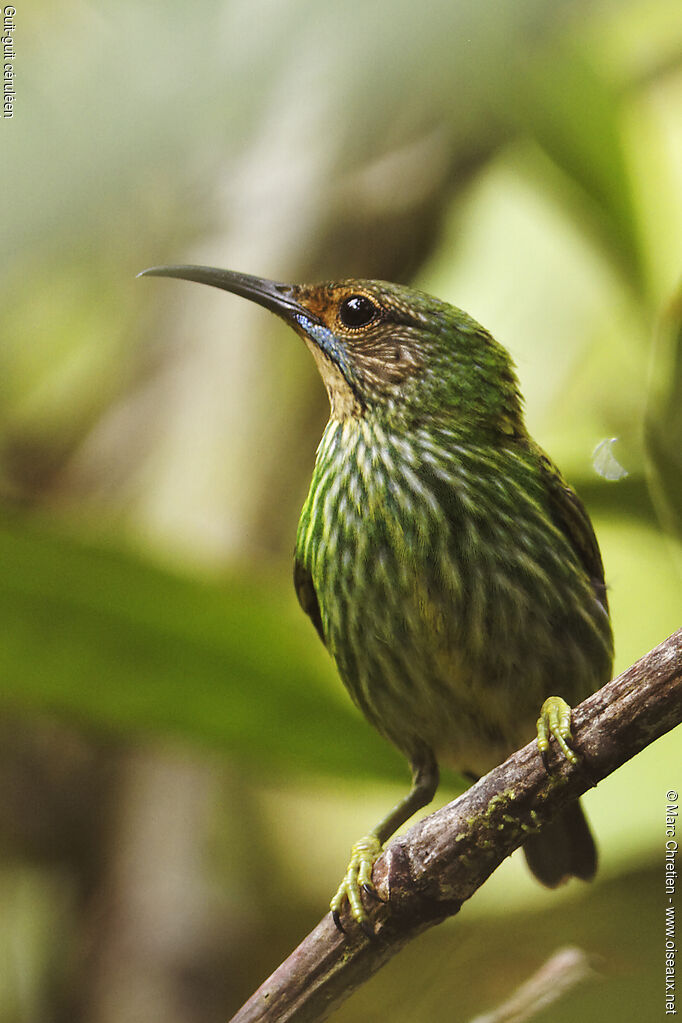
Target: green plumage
[450,571]
[449,594]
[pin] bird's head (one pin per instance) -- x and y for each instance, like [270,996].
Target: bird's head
[387,350]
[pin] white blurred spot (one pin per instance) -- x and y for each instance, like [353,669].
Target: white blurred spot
[605,462]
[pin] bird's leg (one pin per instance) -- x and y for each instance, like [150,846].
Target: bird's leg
[364,853]
[555,720]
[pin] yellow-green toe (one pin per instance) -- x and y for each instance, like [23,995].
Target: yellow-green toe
[358,877]
[555,720]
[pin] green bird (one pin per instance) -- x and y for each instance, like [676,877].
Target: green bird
[449,569]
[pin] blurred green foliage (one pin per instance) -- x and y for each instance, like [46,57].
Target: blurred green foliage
[127,646]
[523,161]
[664,420]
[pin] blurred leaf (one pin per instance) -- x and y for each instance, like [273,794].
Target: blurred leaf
[663,424]
[100,636]
[574,114]
[620,499]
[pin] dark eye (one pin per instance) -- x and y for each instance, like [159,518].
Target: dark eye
[357,311]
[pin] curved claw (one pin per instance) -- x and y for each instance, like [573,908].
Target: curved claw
[555,720]
[370,890]
[358,878]
[337,921]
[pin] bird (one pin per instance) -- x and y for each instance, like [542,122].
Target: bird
[449,569]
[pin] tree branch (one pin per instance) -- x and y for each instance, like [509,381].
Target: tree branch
[562,971]
[427,873]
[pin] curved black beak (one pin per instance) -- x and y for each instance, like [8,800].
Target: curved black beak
[278,298]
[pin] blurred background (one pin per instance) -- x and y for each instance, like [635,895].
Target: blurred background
[181,772]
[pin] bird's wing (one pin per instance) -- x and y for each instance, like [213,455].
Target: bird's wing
[307,598]
[570,517]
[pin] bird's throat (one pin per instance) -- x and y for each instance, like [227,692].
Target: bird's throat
[343,400]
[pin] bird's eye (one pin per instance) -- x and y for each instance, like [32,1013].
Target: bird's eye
[357,311]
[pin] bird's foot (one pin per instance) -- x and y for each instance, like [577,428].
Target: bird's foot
[555,720]
[357,879]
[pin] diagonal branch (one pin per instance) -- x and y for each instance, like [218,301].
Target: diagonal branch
[562,971]
[427,873]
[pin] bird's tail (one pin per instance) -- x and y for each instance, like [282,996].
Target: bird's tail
[564,848]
